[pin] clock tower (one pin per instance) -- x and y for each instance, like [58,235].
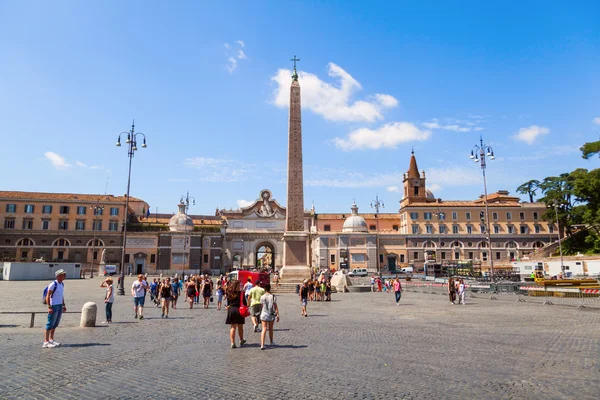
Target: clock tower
[414,184]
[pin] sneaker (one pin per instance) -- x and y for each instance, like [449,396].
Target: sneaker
[135,316]
[233,346]
[141,317]
[162,316]
[242,342]
[272,344]
[104,322]
[48,345]
[255,328]
[55,343]
[167,316]
[263,348]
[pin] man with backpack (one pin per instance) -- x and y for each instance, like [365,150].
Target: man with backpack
[55,299]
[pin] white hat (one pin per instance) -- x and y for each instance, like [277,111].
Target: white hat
[60,272]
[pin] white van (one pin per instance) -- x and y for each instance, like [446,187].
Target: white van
[358,272]
[407,270]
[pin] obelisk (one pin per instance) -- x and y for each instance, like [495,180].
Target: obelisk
[295,246]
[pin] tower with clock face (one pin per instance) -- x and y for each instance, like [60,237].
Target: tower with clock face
[414,184]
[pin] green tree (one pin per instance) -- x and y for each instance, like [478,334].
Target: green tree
[590,149]
[529,188]
[558,192]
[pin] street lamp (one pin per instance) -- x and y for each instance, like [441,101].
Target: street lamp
[485,150]
[187,199]
[97,209]
[441,217]
[377,204]
[562,265]
[131,149]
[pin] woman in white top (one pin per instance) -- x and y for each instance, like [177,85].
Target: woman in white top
[461,292]
[109,298]
[268,315]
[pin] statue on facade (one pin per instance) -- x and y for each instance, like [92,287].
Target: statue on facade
[103,257]
[266,211]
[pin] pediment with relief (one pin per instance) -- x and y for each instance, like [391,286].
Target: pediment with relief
[264,207]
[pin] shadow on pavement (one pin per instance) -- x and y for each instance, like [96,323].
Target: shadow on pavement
[289,346]
[121,322]
[8,326]
[281,330]
[84,344]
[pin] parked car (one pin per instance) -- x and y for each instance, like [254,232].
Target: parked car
[358,272]
[407,270]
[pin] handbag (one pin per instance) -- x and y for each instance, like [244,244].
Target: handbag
[244,311]
[211,299]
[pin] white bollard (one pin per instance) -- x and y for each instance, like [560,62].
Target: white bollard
[88,315]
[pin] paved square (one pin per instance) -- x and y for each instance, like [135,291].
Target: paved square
[357,346]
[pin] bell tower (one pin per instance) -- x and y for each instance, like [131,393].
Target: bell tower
[414,184]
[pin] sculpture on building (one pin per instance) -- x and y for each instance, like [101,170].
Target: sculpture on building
[266,211]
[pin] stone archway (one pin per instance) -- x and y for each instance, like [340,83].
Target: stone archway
[265,256]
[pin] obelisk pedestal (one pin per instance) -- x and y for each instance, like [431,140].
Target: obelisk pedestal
[295,239]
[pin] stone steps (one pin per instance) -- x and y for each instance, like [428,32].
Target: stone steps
[283,288]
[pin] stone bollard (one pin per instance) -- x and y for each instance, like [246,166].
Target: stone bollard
[88,315]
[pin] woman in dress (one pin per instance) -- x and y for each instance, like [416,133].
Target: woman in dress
[190,291]
[268,315]
[451,292]
[165,293]
[207,291]
[109,298]
[234,318]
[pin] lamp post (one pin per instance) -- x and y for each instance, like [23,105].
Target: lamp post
[377,204]
[224,226]
[131,149]
[96,209]
[187,199]
[485,150]
[562,265]
[441,217]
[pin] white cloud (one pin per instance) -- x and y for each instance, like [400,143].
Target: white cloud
[434,187]
[394,189]
[219,170]
[453,127]
[332,101]
[80,164]
[244,203]
[530,134]
[478,128]
[596,120]
[388,135]
[57,160]
[452,177]
[233,55]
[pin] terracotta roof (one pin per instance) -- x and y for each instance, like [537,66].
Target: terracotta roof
[199,220]
[71,197]
[413,170]
[365,216]
[503,197]
[458,203]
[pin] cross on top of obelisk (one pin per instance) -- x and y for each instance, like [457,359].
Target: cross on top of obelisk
[295,75]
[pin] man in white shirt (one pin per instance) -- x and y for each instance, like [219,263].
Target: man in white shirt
[138,291]
[55,299]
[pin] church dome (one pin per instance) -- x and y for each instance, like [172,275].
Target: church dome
[429,194]
[181,222]
[355,223]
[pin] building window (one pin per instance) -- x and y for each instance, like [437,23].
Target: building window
[79,225]
[372,227]
[27,224]
[414,215]
[441,215]
[455,229]
[511,229]
[469,229]
[457,255]
[496,229]
[454,215]
[9,224]
[550,228]
[127,257]
[535,216]
[205,260]
[443,255]
[429,229]
[29,208]
[522,216]
[497,255]
[113,226]
[442,229]
[46,209]
[523,229]
[64,209]
[81,210]
[332,258]
[416,190]
[46,224]
[99,210]
[97,226]
[416,255]
[415,229]
[482,228]
[537,229]
[395,228]
[427,216]
[60,255]
[484,256]
[152,258]
[327,228]
[495,215]
[11,208]
[508,216]
[470,255]
[64,225]
[468,215]
[114,211]
[401,258]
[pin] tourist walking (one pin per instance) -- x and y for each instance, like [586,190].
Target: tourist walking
[109,298]
[235,299]
[461,292]
[138,292]
[451,292]
[255,306]
[220,293]
[165,293]
[397,290]
[190,290]
[154,292]
[55,299]
[304,297]
[176,289]
[269,314]
[207,288]
[328,290]
[247,287]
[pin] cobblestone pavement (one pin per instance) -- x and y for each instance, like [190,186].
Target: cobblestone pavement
[360,345]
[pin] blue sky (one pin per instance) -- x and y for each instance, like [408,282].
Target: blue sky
[208,84]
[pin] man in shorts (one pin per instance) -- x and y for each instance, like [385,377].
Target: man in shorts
[55,299]
[304,297]
[255,306]
[138,291]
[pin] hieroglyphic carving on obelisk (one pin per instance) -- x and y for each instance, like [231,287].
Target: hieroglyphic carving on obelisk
[295,249]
